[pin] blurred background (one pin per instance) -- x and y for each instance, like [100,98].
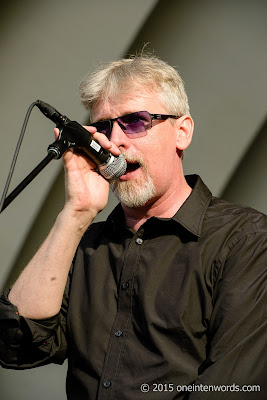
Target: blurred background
[219,48]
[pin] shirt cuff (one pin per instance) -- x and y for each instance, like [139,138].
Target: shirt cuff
[14,328]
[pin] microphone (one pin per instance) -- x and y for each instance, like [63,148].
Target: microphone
[72,134]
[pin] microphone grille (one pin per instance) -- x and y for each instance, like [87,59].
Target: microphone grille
[114,169]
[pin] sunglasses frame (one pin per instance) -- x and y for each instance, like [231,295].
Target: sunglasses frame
[153,117]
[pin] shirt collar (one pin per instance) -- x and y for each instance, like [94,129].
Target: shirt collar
[192,212]
[190,215]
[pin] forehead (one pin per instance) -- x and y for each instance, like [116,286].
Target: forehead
[115,106]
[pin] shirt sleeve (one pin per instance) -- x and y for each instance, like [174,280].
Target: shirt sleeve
[27,343]
[234,368]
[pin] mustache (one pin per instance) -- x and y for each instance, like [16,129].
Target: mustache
[133,158]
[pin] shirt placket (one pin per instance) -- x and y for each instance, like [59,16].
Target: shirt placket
[119,330]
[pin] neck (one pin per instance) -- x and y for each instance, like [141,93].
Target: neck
[165,206]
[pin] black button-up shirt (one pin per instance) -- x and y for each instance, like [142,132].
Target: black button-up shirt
[179,302]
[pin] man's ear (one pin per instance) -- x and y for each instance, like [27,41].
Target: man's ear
[185,128]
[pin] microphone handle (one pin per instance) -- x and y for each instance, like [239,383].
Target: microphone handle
[72,134]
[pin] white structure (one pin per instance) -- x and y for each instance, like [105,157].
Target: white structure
[219,47]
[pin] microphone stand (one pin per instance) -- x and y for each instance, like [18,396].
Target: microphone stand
[6,201]
[55,151]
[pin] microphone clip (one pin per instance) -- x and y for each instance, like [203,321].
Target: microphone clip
[71,134]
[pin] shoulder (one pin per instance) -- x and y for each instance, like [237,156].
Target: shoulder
[237,236]
[240,219]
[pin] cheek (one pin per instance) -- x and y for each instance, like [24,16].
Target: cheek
[165,152]
[159,153]
[162,163]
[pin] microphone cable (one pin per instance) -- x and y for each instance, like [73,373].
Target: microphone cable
[12,167]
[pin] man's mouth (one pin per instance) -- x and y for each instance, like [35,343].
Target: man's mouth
[132,166]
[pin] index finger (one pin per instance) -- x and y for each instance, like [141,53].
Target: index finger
[102,139]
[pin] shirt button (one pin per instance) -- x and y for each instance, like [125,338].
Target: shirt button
[118,333]
[125,285]
[107,384]
[139,241]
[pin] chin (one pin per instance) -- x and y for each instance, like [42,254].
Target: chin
[134,194]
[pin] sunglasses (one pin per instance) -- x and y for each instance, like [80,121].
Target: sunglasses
[134,125]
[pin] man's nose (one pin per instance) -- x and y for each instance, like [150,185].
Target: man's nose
[118,136]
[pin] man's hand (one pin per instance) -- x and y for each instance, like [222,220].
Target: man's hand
[86,190]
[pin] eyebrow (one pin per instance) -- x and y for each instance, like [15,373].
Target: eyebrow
[102,119]
[108,119]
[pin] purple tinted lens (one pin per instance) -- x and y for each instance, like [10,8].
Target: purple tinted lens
[135,122]
[103,127]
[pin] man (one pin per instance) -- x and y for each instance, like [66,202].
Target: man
[165,298]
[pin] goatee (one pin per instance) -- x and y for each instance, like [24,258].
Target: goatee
[137,192]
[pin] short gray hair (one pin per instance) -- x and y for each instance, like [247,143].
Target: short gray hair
[136,72]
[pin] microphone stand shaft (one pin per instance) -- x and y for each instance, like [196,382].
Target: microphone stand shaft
[50,156]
